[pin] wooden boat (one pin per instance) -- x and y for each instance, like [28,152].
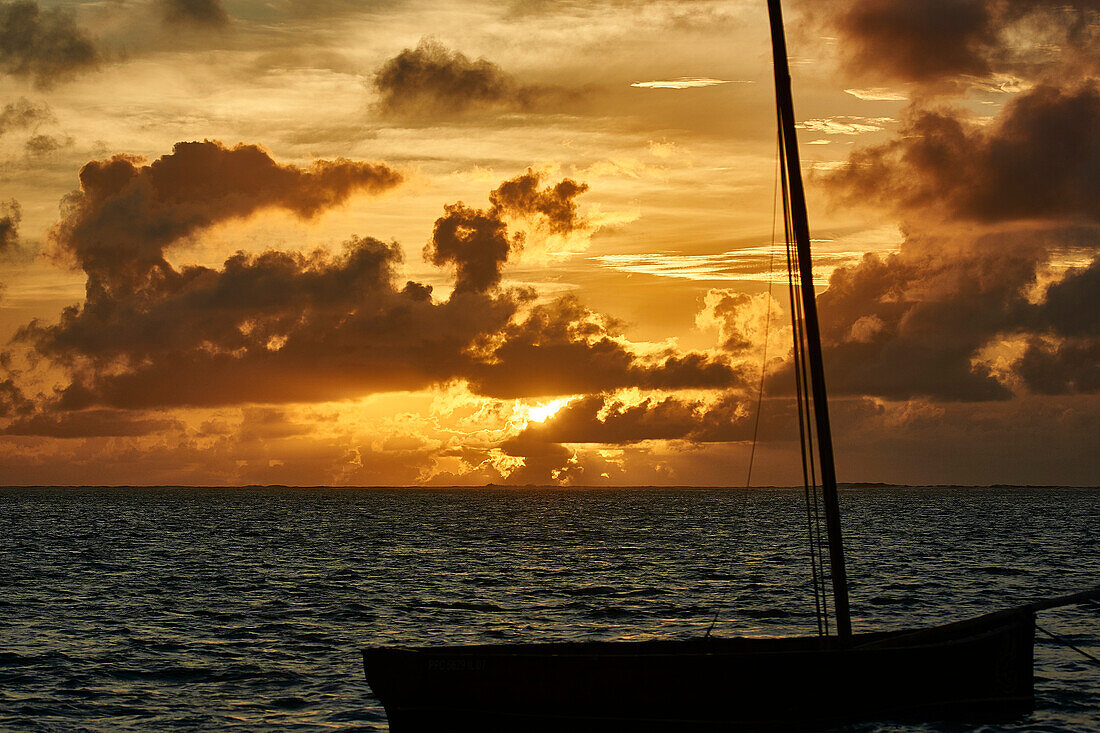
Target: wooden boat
[976,668]
[980,668]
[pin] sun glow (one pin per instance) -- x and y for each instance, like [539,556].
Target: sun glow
[544,411]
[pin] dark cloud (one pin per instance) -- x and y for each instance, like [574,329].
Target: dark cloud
[1069,306]
[605,420]
[127,212]
[543,463]
[1070,366]
[917,41]
[564,348]
[1006,197]
[602,418]
[521,196]
[89,424]
[12,400]
[1063,357]
[938,43]
[432,80]
[910,324]
[292,327]
[10,215]
[270,423]
[1040,159]
[23,114]
[273,327]
[477,241]
[45,45]
[914,324]
[199,12]
[39,146]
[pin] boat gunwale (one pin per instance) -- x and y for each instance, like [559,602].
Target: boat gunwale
[945,634]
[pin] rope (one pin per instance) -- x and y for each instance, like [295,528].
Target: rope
[767,317]
[809,478]
[764,364]
[1060,640]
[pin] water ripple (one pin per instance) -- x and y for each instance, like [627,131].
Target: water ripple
[199,609]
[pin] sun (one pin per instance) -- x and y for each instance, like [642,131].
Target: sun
[543,412]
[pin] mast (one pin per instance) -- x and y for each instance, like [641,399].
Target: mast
[801,228]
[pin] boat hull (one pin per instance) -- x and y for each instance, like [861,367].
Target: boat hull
[977,669]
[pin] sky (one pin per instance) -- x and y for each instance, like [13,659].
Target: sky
[397,242]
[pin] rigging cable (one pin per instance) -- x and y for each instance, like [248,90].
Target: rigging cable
[764,363]
[767,316]
[811,427]
[1060,640]
[809,478]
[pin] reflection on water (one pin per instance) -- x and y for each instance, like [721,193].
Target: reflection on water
[128,609]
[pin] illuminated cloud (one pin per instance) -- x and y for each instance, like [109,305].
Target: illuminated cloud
[877,94]
[684,82]
[749,264]
[845,125]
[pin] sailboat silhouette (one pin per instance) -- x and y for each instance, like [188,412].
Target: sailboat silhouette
[979,668]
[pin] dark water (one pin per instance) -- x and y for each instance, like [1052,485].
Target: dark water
[199,609]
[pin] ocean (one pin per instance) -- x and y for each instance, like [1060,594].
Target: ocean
[134,609]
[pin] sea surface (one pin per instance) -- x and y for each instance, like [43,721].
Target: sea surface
[126,609]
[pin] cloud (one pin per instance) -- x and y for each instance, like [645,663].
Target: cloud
[684,82]
[1063,356]
[127,212]
[198,12]
[742,320]
[748,264]
[916,323]
[877,94]
[477,241]
[23,114]
[89,424]
[1072,366]
[279,327]
[12,400]
[956,41]
[1039,159]
[563,348]
[601,418]
[1069,305]
[556,205]
[10,215]
[433,81]
[40,146]
[845,124]
[45,45]
[267,328]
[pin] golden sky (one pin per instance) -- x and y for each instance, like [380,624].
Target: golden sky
[459,243]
